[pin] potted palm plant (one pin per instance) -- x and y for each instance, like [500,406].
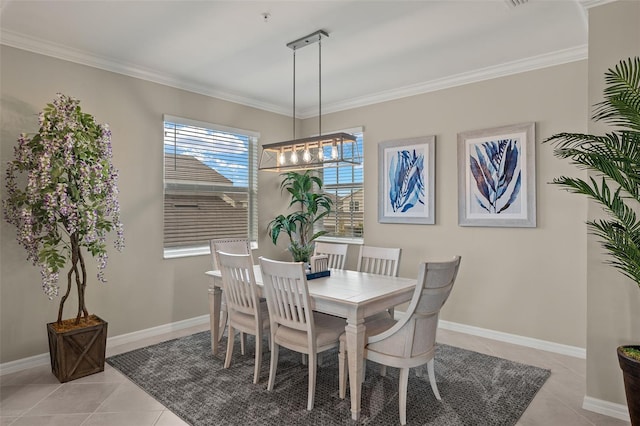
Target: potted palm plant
[66,205]
[614,159]
[305,190]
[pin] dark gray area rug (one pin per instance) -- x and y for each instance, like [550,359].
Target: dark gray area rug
[185,377]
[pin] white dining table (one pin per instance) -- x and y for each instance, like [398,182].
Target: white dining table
[347,294]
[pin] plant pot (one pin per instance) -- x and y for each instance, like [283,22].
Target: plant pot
[77,350]
[631,374]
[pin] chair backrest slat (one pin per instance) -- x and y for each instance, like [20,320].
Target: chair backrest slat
[239,283]
[285,286]
[337,253]
[379,260]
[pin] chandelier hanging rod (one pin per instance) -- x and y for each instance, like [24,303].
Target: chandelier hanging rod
[309,152]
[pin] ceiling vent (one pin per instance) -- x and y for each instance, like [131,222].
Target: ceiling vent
[514,3]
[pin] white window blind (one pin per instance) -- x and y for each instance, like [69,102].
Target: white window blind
[210,183]
[345,185]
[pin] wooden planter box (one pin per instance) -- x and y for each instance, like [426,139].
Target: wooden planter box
[77,352]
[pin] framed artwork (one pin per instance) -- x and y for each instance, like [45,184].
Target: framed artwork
[497,177]
[406,181]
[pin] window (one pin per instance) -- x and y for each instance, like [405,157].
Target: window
[210,185]
[346,187]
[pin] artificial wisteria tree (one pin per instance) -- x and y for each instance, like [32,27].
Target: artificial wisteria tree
[69,199]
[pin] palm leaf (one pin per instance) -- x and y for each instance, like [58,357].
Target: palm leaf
[616,156]
[622,96]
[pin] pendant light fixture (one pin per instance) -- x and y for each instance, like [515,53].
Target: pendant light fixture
[332,150]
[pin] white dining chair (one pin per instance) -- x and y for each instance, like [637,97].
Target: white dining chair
[337,253]
[228,245]
[411,341]
[246,313]
[293,323]
[379,260]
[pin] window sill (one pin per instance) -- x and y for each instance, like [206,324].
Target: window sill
[343,240]
[174,253]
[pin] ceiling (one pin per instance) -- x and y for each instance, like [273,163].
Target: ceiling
[376,50]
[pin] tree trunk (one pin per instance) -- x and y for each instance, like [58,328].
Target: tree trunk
[80,278]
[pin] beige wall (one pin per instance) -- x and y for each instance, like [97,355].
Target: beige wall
[613,302]
[524,281]
[528,282]
[144,290]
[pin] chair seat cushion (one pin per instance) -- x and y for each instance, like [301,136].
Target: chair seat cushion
[328,328]
[378,316]
[248,321]
[328,331]
[376,325]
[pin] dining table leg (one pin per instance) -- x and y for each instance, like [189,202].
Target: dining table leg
[355,332]
[215,302]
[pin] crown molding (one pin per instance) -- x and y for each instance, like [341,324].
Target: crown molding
[588,4]
[65,53]
[54,50]
[528,64]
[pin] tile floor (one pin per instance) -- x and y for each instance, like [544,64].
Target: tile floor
[34,397]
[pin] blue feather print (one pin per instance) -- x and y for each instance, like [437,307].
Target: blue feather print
[493,169]
[406,186]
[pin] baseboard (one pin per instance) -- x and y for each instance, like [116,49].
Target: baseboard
[611,409]
[23,364]
[112,342]
[42,359]
[155,331]
[529,342]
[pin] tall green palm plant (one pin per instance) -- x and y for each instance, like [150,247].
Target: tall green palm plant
[615,158]
[306,194]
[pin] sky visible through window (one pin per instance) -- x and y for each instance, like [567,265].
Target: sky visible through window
[226,153]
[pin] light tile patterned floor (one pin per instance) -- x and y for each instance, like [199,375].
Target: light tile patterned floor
[34,397]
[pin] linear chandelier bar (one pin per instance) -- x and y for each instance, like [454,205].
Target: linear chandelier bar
[332,150]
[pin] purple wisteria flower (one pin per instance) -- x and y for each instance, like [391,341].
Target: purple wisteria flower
[70,200]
